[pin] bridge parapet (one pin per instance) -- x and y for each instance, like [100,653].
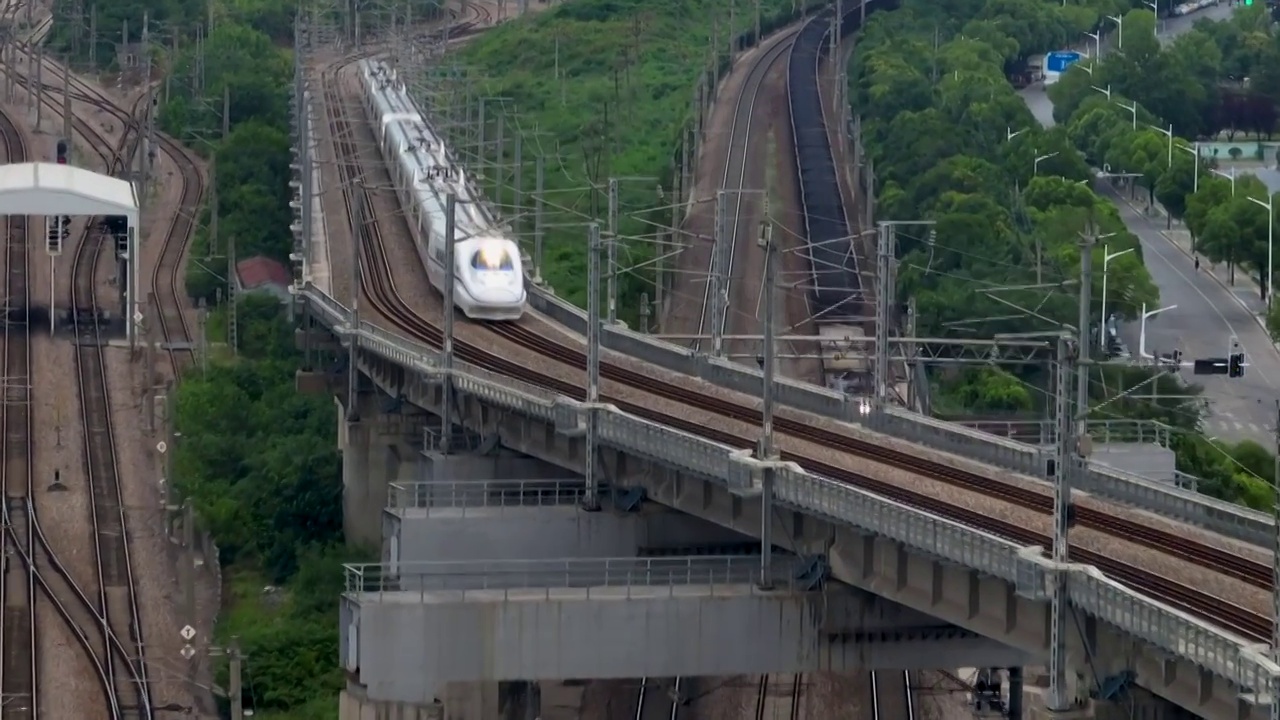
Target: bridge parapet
[1167,500]
[522,576]
[1174,633]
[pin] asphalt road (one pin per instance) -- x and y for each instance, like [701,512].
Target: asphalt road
[1208,313]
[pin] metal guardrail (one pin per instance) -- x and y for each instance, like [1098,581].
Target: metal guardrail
[1175,632]
[369,582]
[501,494]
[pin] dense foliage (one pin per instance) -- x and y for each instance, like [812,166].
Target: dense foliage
[258,460]
[953,142]
[1187,87]
[261,465]
[629,68]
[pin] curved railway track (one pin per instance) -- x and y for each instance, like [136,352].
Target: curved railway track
[113,615]
[30,561]
[19,664]
[735,175]
[376,279]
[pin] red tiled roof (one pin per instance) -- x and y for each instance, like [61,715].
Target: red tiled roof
[259,270]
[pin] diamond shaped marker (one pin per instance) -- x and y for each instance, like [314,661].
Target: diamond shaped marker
[188,633]
[188,652]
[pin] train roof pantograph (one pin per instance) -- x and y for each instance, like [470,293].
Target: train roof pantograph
[51,189]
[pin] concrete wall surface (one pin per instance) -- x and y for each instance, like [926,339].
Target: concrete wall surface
[405,646]
[536,533]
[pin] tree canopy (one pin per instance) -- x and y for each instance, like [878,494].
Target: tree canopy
[951,141]
[1178,94]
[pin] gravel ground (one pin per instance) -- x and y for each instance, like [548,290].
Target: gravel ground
[63,517]
[153,560]
[689,268]
[160,594]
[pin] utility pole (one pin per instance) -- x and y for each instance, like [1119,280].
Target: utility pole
[538,181]
[758,38]
[39,86]
[884,277]
[357,242]
[767,452]
[66,111]
[1275,556]
[446,344]
[150,356]
[1063,458]
[718,280]
[613,252]
[1087,240]
[592,499]
[518,181]
[499,161]
[233,298]
[93,37]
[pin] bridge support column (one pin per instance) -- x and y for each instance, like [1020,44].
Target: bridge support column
[353,704]
[375,453]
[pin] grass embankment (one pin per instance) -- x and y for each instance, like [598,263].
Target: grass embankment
[628,73]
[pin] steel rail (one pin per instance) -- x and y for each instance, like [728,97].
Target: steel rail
[19,661]
[735,170]
[22,531]
[124,665]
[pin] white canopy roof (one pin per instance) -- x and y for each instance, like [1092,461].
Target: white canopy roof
[52,189]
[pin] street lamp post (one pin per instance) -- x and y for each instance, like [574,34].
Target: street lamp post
[1132,108]
[1271,227]
[1230,176]
[1097,44]
[1010,134]
[1107,257]
[1142,329]
[1155,11]
[1195,178]
[1106,91]
[1169,134]
[1085,68]
[1119,21]
[1035,167]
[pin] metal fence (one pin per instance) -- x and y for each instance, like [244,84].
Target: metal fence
[500,494]
[519,577]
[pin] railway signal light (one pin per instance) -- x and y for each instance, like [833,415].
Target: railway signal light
[56,230]
[62,152]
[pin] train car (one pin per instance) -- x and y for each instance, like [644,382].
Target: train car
[488,271]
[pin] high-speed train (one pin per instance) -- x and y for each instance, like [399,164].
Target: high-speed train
[488,274]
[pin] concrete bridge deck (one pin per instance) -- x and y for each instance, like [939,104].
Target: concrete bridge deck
[625,618]
[966,577]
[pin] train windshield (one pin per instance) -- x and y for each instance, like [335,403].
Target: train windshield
[492,258]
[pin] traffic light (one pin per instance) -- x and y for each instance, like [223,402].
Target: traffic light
[1235,365]
[62,152]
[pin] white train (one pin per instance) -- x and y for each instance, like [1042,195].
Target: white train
[489,276]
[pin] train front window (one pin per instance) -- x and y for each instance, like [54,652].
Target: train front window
[491,258]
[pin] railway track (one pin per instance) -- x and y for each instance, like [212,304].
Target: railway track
[657,699]
[30,564]
[19,664]
[117,601]
[735,176]
[891,695]
[778,697]
[378,284]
